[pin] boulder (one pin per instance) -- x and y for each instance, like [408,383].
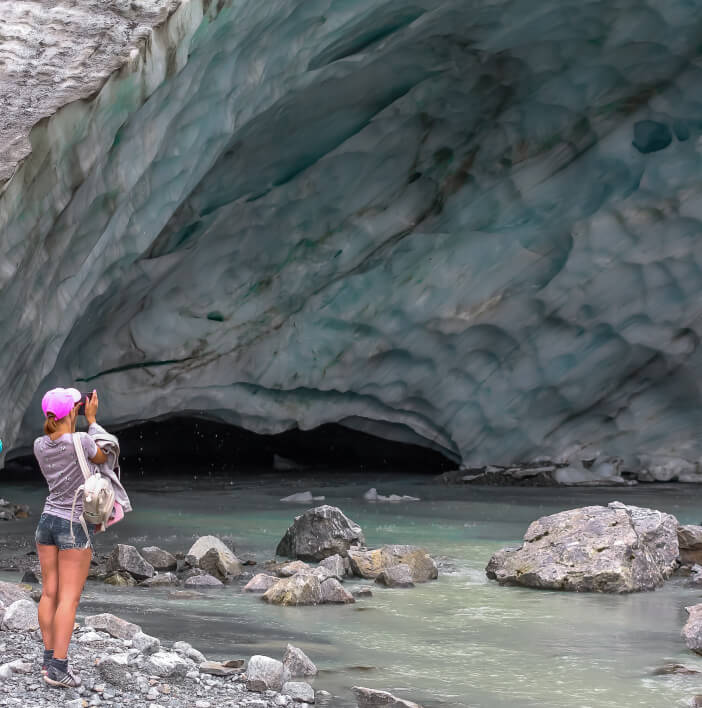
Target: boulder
[21,616]
[145,643]
[167,664]
[301,498]
[334,594]
[372,496]
[188,650]
[299,691]
[370,563]
[690,543]
[114,626]
[203,581]
[616,549]
[335,564]
[219,668]
[260,583]
[397,576]
[120,579]
[115,669]
[287,570]
[214,557]
[160,580]
[370,698]
[692,631]
[159,559]
[128,559]
[10,592]
[265,674]
[361,592]
[297,663]
[298,590]
[319,533]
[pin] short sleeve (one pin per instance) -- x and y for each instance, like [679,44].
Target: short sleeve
[89,445]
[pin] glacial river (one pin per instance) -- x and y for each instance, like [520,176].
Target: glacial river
[461,641]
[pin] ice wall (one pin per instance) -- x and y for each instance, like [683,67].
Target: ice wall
[474,225]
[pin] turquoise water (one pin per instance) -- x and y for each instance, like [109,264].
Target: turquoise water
[460,641]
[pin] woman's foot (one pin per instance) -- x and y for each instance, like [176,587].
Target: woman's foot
[60,678]
[46,660]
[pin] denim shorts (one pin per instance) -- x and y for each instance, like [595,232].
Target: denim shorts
[55,531]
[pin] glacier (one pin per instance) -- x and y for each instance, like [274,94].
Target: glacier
[472,225]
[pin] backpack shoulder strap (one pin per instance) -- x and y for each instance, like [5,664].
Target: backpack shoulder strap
[80,453]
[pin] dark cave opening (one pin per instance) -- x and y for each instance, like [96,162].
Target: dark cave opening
[183,445]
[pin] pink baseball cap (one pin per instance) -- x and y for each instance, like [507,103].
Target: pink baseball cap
[60,401]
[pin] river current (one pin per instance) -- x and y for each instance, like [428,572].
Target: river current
[461,641]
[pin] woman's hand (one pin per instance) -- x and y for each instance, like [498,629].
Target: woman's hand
[91,406]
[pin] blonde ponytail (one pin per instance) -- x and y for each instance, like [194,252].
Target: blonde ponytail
[50,424]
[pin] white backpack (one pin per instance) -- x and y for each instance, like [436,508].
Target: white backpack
[98,494]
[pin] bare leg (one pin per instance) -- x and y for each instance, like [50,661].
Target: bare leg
[73,567]
[48,559]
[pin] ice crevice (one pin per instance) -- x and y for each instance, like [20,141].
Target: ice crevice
[469,226]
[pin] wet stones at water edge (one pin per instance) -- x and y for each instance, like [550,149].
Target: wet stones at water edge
[614,549]
[692,631]
[370,698]
[10,511]
[127,559]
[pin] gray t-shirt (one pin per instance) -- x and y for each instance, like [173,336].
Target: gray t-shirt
[59,465]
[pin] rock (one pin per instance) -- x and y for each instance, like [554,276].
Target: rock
[145,643]
[159,559]
[372,496]
[218,668]
[115,670]
[297,663]
[679,669]
[127,558]
[21,616]
[287,570]
[89,637]
[166,664]
[214,557]
[188,650]
[203,581]
[651,136]
[120,579]
[298,590]
[160,580]
[265,674]
[696,702]
[260,583]
[30,576]
[185,595]
[10,592]
[299,691]
[690,543]
[369,564]
[692,631]
[319,533]
[616,548]
[359,592]
[397,576]
[19,667]
[114,626]
[301,498]
[335,564]
[5,672]
[370,698]
[333,593]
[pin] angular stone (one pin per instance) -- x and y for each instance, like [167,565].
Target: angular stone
[319,533]
[217,668]
[692,631]
[115,670]
[260,583]
[397,576]
[335,564]
[370,563]
[297,663]
[159,559]
[299,691]
[265,674]
[370,698]
[616,548]
[287,570]
[145,643]
[167,664]
[334,594]
[214,557]
[188,650]
[120,579]
[360,592]
[114,626]
[160,580]
[298,590]
[203,581]
[21,616]
[690,543]
[125,557]
[10,592]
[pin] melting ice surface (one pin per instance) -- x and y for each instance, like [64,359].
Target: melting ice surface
[469,224]
[462,641]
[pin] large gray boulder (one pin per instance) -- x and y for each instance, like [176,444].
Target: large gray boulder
[614,548]
[397,576]
[334,594]
[159,559]
[10,592]
[371,563]
[690,543]
[370,698]
[127,558]
[212,555]
[299,691]
[203,581]
[298,663]
[113,625]
[301,589]
[260,583]
[319,533]
[692,631]
[21,616]
[167,664]
[265,674]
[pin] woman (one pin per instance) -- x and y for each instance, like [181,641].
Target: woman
[64,562]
